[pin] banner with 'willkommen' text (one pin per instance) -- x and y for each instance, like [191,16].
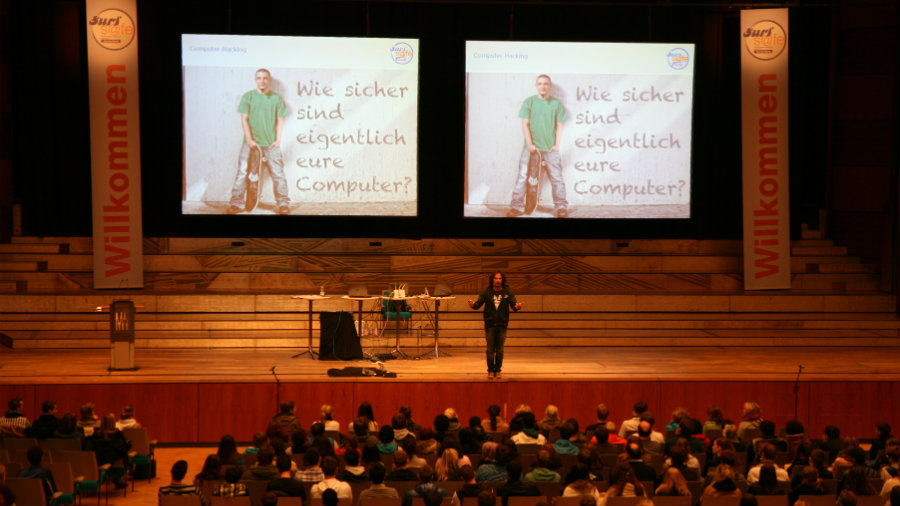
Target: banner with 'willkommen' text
[764,114]
[115,143]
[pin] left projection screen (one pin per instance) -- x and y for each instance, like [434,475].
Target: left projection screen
[335,120]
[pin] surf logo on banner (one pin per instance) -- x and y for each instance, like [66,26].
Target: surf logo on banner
[113,29]
[765,39]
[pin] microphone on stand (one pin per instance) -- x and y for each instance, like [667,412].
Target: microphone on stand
[797,389]
[277,391]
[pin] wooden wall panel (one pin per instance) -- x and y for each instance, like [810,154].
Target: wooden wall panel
[239,409]
[854,407]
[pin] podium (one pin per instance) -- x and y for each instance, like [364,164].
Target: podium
[338,339]
[121,335]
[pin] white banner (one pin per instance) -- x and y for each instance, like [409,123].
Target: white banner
[764,112]
[115,143]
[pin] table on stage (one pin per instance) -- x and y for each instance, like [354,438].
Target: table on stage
[434,317]
[359,309]
[397,312]
[310,299]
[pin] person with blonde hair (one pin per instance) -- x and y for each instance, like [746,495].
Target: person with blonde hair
[446,468]
[673,483]
[453,418]
[108,443]
[551,420]
[328,420]
[750,419]
[522,410]
[677,415]
[723,483]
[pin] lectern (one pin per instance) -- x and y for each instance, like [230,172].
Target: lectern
[121,335]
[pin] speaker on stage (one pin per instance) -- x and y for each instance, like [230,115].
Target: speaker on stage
[338,339]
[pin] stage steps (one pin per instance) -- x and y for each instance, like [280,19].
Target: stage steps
[235,293]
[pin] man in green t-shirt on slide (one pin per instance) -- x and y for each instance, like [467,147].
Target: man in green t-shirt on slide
[262,119]
[542,117]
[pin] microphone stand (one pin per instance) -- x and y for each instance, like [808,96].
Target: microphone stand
[797,388]
[277,391]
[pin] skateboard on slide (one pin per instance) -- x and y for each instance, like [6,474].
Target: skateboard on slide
[536,165]
[254,177]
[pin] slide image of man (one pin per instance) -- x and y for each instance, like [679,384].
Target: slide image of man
[542,125]
[262,120]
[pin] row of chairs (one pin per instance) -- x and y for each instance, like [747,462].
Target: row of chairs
[76,471]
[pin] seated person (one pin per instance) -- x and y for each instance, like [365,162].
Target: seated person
[312,471]
[177,485]
[46,424]
[264,468]
[127,420]
[426,484]
[285,484]
[401,470]
[565,445]
[386,442]
[542,471]
[353,472]
[494,458]
[232,486]
[470,488]
[767,483]
[378,489]
[530,433]
[723,483]
[811,485]
[625,483]
[212,470]
[7,498]
[514,486]
[14,423]
[767,456]
[673,483]
[582,486]
[329,497]
[329,469]
[35,456]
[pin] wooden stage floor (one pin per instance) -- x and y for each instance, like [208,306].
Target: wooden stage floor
[37,367]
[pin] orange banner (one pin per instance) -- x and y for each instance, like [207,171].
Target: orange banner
[764,113]
[115,143]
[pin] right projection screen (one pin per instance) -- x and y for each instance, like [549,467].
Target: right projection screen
[611,121]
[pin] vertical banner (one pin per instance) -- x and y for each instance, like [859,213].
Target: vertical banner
[115,143]
[764,113]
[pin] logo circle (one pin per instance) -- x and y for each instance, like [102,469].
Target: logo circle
[678,58]
[113,29]
[401,53]
[765,40]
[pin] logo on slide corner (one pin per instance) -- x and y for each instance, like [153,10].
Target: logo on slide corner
[401,53]
[678,58]
[113,29]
